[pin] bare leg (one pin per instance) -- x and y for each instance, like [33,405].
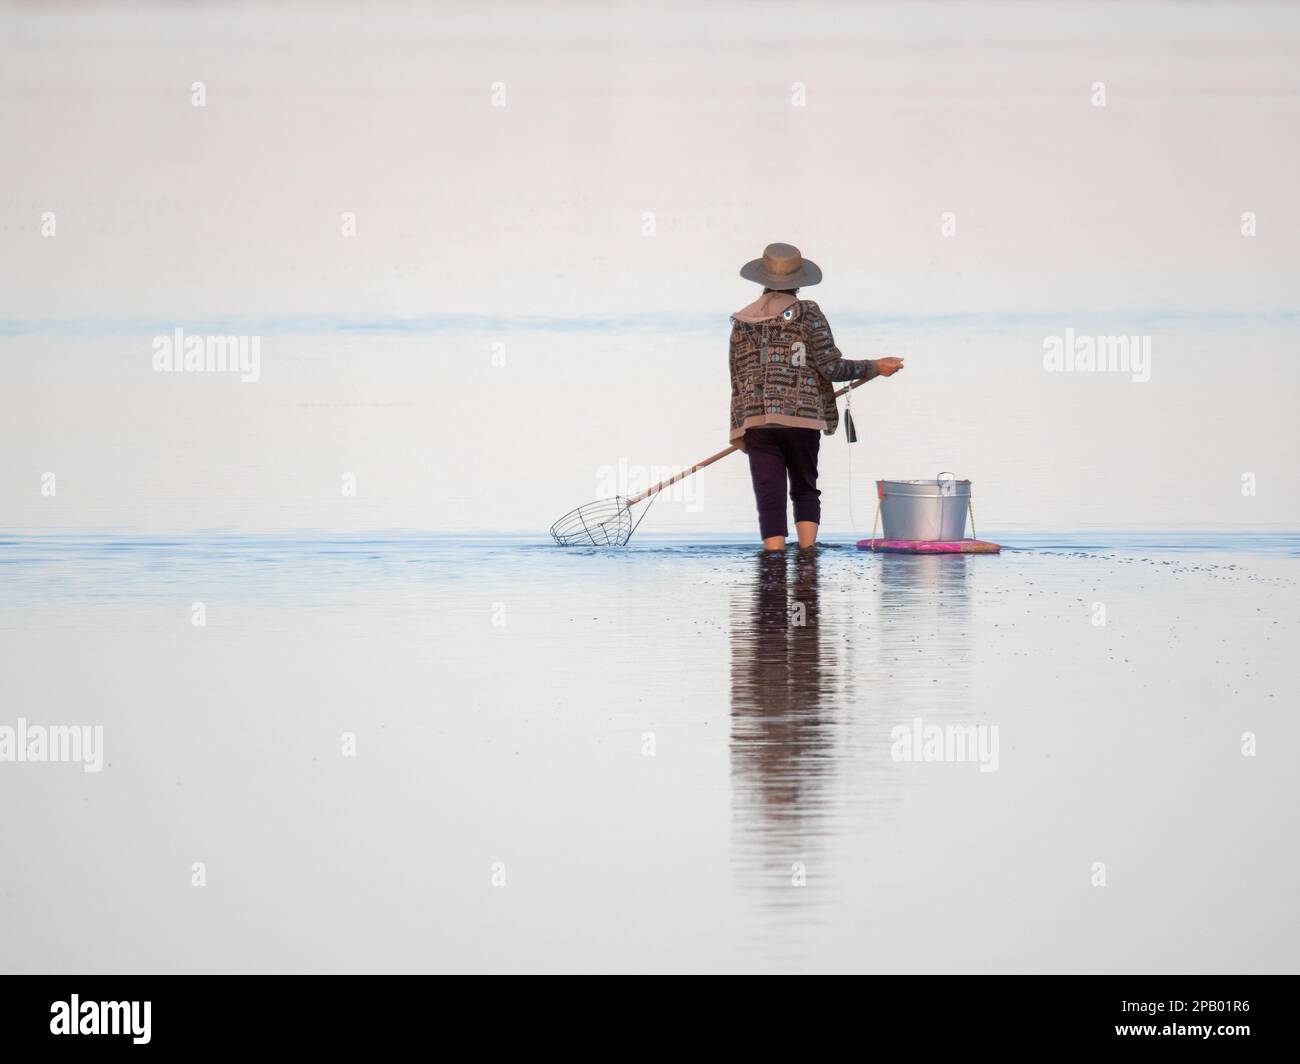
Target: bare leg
[800,452]
[767,469]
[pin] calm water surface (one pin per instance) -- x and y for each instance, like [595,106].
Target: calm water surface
[654,746]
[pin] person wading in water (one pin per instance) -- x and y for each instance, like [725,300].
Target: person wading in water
[783,362]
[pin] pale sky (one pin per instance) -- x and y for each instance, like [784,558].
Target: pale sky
[593,226]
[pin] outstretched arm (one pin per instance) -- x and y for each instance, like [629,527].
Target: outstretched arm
[827,360]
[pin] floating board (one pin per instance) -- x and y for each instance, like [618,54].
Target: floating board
[929,546]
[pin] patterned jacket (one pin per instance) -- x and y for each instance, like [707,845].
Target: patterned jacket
[782,367]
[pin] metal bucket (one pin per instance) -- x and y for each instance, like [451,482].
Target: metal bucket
[924,509]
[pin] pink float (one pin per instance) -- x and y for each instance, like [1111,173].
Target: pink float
[929,546]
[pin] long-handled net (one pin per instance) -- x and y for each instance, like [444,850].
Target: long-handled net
[609,522]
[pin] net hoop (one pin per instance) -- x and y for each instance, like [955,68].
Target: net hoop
[603,523]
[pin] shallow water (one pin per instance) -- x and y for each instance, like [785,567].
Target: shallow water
[679,756]
[653,745]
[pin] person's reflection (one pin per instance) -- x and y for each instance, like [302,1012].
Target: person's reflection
[780,737]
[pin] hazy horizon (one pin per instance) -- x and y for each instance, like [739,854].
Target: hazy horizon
[507,323]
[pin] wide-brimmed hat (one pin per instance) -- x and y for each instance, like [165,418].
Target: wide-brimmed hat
[781,267]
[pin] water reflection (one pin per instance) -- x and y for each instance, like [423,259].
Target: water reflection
[925,619]
[828,652]
[782,734]
[822,656]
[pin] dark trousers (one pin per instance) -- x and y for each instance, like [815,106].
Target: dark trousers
[778,455]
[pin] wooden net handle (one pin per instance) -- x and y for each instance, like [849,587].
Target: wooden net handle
[633,500]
